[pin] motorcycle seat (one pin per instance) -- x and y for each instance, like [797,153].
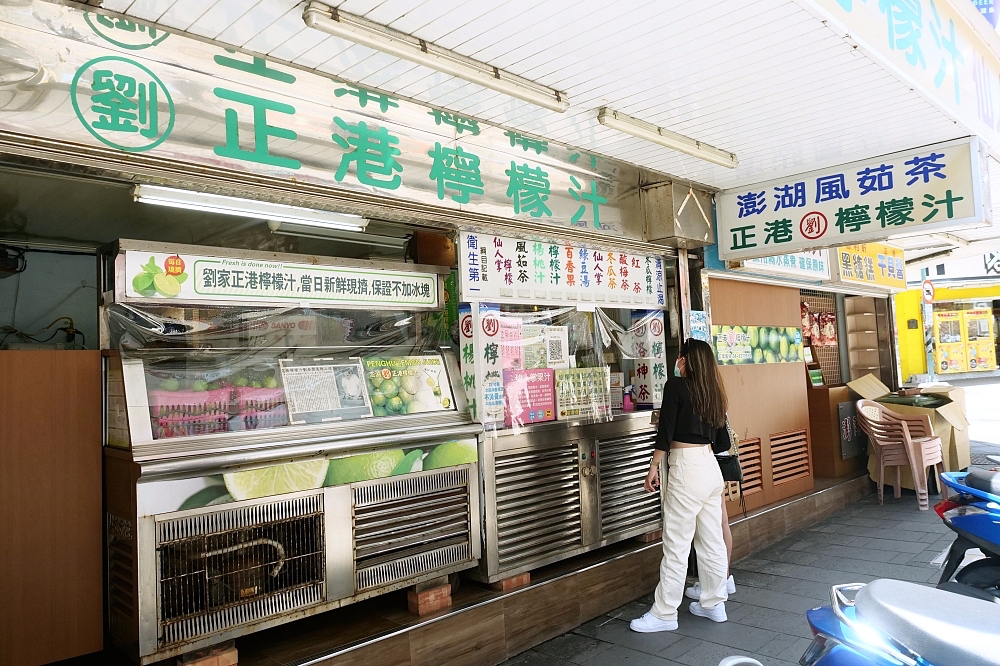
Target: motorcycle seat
[984,479]
[944,628]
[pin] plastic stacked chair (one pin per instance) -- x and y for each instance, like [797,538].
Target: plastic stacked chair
[902,440]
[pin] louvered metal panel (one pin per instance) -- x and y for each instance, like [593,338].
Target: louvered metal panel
[410,526]
[538,504]
[625,505]
[750,462]
[721,77]
[789,456]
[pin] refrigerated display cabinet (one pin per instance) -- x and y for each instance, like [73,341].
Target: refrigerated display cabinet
[284,435]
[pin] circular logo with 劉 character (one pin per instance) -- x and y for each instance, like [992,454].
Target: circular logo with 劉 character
[122,103]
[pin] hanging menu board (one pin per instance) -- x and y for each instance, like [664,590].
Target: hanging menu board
[501,269]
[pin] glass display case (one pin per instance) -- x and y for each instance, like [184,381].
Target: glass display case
[276,447]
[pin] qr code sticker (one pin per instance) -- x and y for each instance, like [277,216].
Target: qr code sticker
[556,352]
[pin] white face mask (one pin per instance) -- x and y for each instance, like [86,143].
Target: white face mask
[677,368]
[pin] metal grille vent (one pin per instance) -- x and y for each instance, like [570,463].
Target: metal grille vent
[625,506]
[407,527]
[789,456]
[538,504]
[121,577]
[226,568]
[753,468]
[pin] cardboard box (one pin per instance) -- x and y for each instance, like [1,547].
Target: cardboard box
[948,420]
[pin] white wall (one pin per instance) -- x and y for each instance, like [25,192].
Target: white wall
[53,285]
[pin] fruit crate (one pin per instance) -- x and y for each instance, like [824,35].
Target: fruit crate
[184,413]
[260,408]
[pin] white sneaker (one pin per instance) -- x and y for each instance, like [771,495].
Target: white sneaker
[649,623]
[694,592]
[717,614]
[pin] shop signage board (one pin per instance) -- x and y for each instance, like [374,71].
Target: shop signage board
[924,189]
[502,269]
[748,345]
[189,278]
[933,46]
[977,268]
[810,264]
[647,337]
[872,264]
[115,83]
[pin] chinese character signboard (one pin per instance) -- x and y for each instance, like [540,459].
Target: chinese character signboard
[811,264]
[199,279]
[935,187]
[503,269]
[647,338]
[113,83]
[746,345]
[871,264]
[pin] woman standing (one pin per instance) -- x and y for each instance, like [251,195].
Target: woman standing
[693,415]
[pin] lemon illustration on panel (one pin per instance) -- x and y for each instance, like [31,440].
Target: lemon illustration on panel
[276,479]
[754,335]
[451,453]
[363,467]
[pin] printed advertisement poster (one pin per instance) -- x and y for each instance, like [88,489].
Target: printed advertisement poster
[407,384]
[322,390]
[648,336]
[201,279]
[489,369]
[747,345]
[583,393]
[181,494]
[530,396]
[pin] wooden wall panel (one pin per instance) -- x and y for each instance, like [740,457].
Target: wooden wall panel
[766,398]
[50,506]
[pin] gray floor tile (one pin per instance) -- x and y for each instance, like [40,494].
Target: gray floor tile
[680,648]
[789,648]
[617,655]
[708,654]
[733,634]
[781,601]
[891,545]
[783,622]
[533,658]
[618,632]
[573,647]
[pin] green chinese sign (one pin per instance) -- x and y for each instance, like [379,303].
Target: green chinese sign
[187,101]
[745,345]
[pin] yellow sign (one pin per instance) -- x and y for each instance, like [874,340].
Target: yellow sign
[949,347]
[979,341]
[872,264]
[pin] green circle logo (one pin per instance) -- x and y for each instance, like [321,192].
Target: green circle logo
[124,32]
[122,103]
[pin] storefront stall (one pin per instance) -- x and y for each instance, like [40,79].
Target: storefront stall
[565,350]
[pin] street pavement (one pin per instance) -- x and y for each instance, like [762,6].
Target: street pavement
[775,587]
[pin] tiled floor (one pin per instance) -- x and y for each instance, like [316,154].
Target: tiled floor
[775,587]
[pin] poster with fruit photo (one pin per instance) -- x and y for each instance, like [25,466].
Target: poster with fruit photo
[158,497]
[407,384]
[747,345]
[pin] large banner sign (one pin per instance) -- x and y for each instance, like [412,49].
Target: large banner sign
[935,187]
[109,82]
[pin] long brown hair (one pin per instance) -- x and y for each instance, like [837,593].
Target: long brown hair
[708,395]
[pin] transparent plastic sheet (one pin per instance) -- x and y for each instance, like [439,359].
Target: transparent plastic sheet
[566,364]
[224,369]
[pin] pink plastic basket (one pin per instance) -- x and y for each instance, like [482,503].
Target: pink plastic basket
[182,413]
[261,407]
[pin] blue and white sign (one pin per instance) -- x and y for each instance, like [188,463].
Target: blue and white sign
[925,189]
[810,265]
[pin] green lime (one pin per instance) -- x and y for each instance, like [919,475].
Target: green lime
[204,497]
[450,454]
[772,339]
[166,285]
[375,379]
[783,348]
[379,410]
[754,331]
[276,479]
[405,396]
[199,385]
[169,384]
[389,388]
[758,355]
[769,357]
[143,284]
[410,384]
[394,404]
[411,463]
[363,467]
[378,398]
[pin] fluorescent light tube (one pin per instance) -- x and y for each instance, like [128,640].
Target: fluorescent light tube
[640,128]
[302,231]
[381,38]
[264,210]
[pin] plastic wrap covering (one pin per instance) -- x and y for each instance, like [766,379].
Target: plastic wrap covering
[531,365]
[223,369]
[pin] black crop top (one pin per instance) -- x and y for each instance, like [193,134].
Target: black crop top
[678,421]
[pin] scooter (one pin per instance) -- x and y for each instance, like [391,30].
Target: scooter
[892,622]
[973,513]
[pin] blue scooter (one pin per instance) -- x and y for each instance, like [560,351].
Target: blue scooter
[891,622]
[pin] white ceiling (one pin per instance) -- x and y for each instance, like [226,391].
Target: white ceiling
[761,78]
